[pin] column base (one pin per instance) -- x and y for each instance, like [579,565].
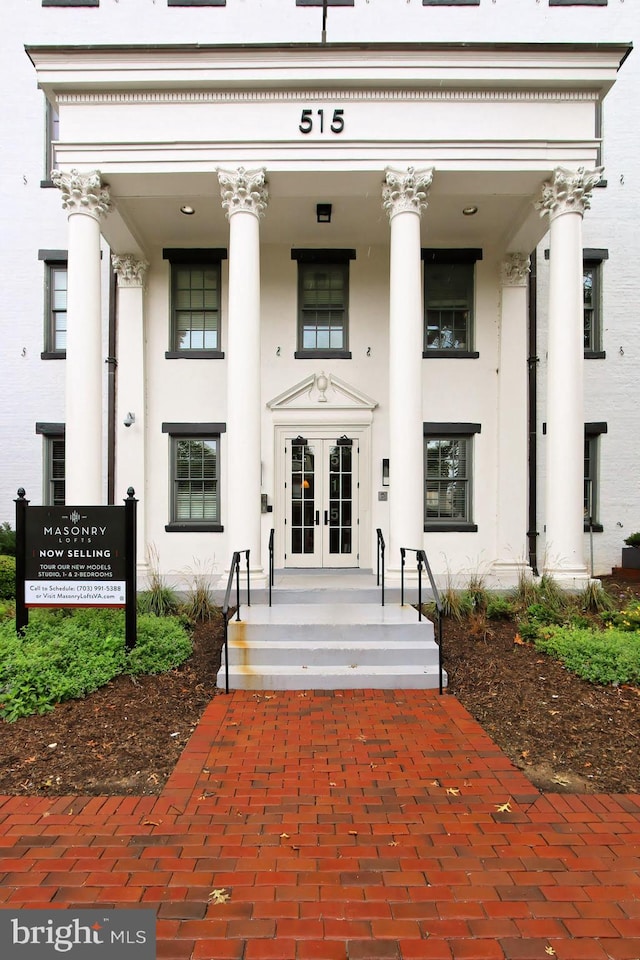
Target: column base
[573,579]
[505,574]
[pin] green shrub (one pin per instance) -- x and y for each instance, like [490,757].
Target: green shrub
[7,577]
[7,609]
[633,540]
[64,655]
[499,607]
[542,613]
[626,619]
[600,656]
[7,540]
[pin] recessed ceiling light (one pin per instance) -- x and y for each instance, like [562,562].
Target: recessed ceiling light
[187,210]
[469,211]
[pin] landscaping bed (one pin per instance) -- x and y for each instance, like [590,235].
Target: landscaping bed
[565,733]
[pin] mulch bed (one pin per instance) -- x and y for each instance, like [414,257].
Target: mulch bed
[125,739]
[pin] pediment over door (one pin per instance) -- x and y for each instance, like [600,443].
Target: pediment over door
[323,392]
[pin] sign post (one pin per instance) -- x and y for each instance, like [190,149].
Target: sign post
[76,557]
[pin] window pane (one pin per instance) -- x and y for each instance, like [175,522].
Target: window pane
[322,307]
[196,307]
[447,484]
[448,305]
[196,480]
[57,308]
[54,479]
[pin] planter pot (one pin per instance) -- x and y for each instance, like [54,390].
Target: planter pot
[631,558]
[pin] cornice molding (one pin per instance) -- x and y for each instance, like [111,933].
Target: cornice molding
[324,95]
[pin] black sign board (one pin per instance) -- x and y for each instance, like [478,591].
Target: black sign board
[75,557]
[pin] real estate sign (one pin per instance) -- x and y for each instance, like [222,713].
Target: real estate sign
[75,557]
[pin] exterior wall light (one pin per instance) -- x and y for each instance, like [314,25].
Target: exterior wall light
[323,212]
[129,419]
[469,211]
[385,472]
[187,210]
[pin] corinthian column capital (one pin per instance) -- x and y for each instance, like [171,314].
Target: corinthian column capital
[406,191]
[83,193]
[568,191]
[515,270]
[131,271]
[243,190]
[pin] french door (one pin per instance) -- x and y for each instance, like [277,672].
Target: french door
[321,520]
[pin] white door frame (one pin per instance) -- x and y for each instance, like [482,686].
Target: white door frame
[318,407]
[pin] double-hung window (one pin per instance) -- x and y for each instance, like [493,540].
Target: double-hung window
[448,476]
[195,476]
[449,284]
[592,297]
[323,303]
[592,434]
[53,487]
[195,303]
[55,324]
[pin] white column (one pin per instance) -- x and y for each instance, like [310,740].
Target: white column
[244,197]
[404,195]
[86,200]
[130,394]
[564,199]
[511,506]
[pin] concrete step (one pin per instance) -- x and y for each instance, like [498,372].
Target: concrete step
[330,646]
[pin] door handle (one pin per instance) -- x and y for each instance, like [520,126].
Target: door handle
[317,518]
[326,517]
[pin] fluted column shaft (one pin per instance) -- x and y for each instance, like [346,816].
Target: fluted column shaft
[86,201]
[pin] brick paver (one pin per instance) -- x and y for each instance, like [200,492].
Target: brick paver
[341,826]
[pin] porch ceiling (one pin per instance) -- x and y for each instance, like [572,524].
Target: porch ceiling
[147,210]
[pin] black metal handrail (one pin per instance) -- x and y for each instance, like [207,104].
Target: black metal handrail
[271,571]
[421,560]
[234,570]
[380,563]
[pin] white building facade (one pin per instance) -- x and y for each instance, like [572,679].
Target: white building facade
[341,271]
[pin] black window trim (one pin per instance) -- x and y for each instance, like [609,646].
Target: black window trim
[450,3]
[196,3]
[449,429]
[70,3]
[592,256]
[592,432]
[578,3]
[51,432]
[195,431]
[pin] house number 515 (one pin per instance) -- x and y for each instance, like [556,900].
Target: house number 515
[307,120]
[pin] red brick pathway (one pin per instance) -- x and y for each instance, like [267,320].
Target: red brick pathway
[368,825]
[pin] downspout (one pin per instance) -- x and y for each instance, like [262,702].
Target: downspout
[112,363]
[532,363]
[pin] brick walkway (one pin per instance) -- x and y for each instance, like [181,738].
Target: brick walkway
[367,825]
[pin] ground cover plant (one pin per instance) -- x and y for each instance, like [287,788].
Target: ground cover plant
[565,732]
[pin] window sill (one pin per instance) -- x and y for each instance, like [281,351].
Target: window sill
[595,355]
[450,354]
[47,183]
[53,355]
[194,355]
[461,527]
[322,355]
[194,527]
[596,527]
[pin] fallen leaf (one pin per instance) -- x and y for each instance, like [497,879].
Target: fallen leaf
[518,639]
[284,836]
[151,823]
[453,791]
[550,951]
[219,896]
[503,807]
[353,833]
[392,843]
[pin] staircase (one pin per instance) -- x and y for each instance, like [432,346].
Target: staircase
[327,630]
